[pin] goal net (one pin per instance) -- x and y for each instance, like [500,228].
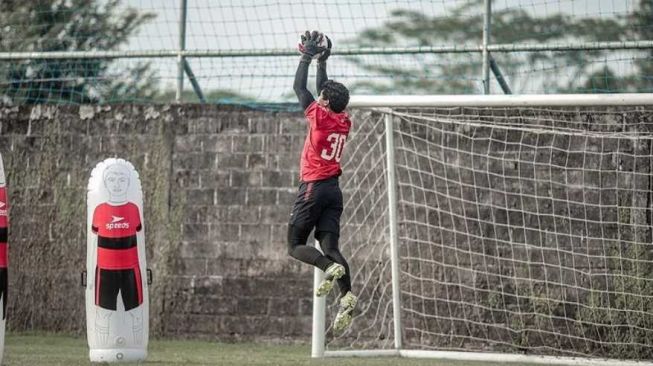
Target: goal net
[520,230]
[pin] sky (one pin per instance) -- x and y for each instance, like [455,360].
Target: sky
[245,24]
[265,24]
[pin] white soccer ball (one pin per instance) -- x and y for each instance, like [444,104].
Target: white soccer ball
[323,43]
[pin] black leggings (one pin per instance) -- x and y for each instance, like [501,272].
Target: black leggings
[298,249]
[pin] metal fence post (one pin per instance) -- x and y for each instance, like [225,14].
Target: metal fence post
[182,47]
[486,41]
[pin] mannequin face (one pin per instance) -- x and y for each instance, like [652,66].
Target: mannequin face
[116,180]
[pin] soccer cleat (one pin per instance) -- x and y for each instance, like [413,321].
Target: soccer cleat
[343,318]
[333,272]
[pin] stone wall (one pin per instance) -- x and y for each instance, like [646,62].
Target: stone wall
[218,184]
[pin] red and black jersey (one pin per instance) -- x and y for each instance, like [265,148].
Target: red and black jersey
[4,207]
[324,144]
[116,227]
[116,221]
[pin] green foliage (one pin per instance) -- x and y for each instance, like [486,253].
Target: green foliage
[570,71]
[618,309]
[642,21]
[71,25]
[212,96]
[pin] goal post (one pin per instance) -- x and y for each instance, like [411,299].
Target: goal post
[505,228]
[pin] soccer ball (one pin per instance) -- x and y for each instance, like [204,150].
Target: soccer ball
[323,43]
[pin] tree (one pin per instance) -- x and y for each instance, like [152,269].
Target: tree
[69,25]
[211,96]
[460,72]
[642,29]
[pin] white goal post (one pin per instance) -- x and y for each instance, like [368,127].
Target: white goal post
[505,228]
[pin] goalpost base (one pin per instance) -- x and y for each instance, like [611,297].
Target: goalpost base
[486,357]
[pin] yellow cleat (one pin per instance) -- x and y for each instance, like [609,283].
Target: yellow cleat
[333,273]
[344,317]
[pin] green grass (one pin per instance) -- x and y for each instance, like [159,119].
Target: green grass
[28,349]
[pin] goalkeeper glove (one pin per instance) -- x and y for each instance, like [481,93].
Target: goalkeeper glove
[310,43]
[327,52]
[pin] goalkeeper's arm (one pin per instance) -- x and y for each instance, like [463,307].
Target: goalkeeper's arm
[321,67]
[301,76]
[321,76]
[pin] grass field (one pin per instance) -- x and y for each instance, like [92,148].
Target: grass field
[33,350]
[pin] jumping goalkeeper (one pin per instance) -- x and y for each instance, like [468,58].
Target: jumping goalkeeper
[319,199]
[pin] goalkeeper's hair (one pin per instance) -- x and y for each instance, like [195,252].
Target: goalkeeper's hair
[337,95]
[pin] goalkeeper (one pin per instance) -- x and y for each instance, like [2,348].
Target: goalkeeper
[319,199]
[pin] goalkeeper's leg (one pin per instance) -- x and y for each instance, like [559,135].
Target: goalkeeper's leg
[329,243]
[327,232]
[297,248]
[305,215]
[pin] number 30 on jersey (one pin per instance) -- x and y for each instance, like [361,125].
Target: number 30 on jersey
[335,150]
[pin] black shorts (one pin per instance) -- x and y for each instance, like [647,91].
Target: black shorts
[318,204]
[126,281]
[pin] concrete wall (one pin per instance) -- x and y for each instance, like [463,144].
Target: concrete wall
[218,184]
